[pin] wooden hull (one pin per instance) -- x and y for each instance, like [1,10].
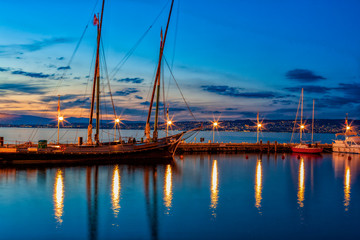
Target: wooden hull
[145,153]
[310,150]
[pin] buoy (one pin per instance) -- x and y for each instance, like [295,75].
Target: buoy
[298,157]
[246,157]
[283,157]
[349,158]
[181,156]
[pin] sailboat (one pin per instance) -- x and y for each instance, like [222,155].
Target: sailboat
[153,148]
[302,147]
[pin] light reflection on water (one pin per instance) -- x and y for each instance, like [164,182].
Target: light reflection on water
[168,189]
[214,188]
[258,185]
[301,187]
[115,193]
[59,196]
[93,196]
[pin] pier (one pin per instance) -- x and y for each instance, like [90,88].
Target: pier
[242,147]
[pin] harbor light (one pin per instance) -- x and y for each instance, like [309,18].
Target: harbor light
[347,127]
[215,124]
[259,125]
[302,126]
[61,118]
[169,122]
[117,120]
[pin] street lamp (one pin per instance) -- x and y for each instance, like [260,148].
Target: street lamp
[168,123]
[60,119]
[215,125]
[117,122]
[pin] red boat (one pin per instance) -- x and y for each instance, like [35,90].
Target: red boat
[303,148]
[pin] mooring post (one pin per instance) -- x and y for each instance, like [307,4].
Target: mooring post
[268,146]
[260,145]
[275,146]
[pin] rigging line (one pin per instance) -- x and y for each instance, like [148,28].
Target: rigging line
[187,105]
[163,89]
[175,41]
[107,77]
[132,50]
[297,113]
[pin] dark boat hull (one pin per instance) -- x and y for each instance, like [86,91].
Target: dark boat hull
[147,153]
[309,150]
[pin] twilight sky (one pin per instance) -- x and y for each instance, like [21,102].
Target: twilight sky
[231,58]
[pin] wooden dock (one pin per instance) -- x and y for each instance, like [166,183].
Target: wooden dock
[241,147]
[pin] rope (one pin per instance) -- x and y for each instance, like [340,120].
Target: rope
[182,95]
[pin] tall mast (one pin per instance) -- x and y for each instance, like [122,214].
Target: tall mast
[96,85]
[157,85]
[301,117]
[312,126]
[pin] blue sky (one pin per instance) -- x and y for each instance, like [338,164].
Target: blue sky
[231,58]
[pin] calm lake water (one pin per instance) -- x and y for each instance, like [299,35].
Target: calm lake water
[226,196]
[203,196]
[13,135]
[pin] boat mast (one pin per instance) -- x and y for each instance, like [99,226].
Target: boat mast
[96,85]
[301,116]
[312,126]
[157,85]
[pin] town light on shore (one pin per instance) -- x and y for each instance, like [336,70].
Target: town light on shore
[259,125]
[347,127]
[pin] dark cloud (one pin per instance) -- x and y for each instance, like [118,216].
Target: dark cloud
[352,89]
[309,89]
[138,97]
[230,109]
[126,92]
[84,103]
[236,92]
[62,98]
[76,78]
[303,75]
[131,80]
[64,68]
[282,102]
[23,88]
[4,69]
[31,47]
[31,74]
[338,101]
[60,58]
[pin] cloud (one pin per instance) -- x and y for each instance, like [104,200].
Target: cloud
[126,92]
[64,68]
[23,88]
[60,58]
[352,89]
[309,89]
[84,103]
[31,74]
[62,98]
[4,69]
[303,75]
[31,47]
[138,97]
[236,92]
[131,80]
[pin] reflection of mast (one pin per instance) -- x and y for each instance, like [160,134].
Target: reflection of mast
[214,187]
[347,182]
[151,207]
[115,193]
[168,188]
[258,185]
[92,201]
[59,196]
[301,187]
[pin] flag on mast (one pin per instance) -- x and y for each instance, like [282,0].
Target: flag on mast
[96,20]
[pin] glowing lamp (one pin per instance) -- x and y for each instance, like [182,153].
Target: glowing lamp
[215,124]
[117,120]
[169,122]
[302,126]
[347,127]
[61,118]
[259,125]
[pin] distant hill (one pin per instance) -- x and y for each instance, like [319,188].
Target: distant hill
[14,119]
